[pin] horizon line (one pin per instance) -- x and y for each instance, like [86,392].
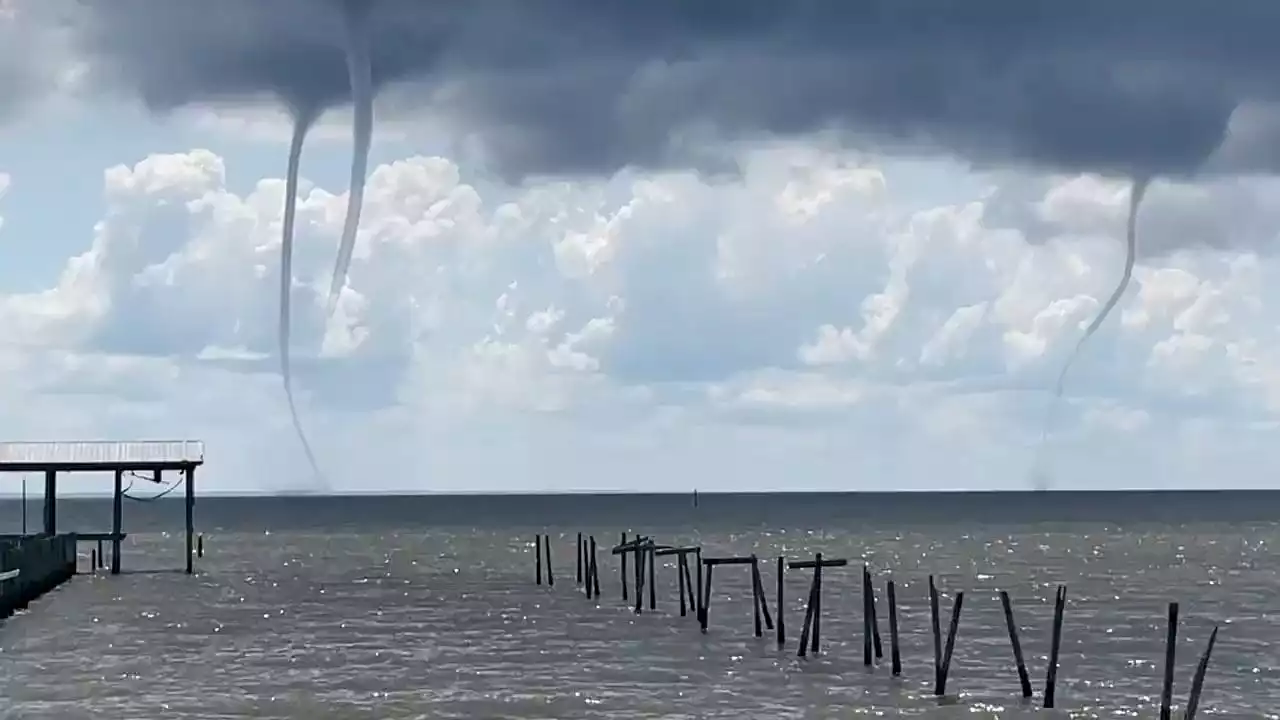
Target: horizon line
[38,497]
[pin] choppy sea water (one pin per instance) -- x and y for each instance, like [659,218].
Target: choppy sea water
[426,608]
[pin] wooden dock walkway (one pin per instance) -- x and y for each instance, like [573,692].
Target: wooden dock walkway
[32,566]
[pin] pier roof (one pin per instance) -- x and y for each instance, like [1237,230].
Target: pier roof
[99,455]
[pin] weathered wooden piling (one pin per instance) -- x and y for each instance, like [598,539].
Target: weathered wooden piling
[895,654]
[704,596]
[682,571]
[756,587]
[870,624]
[200,545]
[811,630]
[639,547]
[697,564]
[586,555]
[875,620]
[866,617]
[1055,646]
[952,631]
[652,553]
[1170,656]
[546,550]
[756,597]
[696,595]
[935,624]
[593,572]
[623,574]
[537,561]
[758,602]
[1197,682]
[941,658]
[782,608]
[1024,680]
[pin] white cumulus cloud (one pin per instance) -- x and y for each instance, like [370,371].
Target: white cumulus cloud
[809,324]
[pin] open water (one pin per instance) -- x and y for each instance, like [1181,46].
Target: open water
[425,607]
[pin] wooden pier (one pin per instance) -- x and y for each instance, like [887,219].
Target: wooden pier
[147,461]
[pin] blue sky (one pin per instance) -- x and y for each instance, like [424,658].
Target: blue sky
[828,319]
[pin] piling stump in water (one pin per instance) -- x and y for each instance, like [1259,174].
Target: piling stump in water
[895,654]
[870,624]
[1170,655]
[537,559]
[621,543]
[1024,680]
[683,579]
[637,548]
[757,588]
[941,658]
[1197,682]
[546,549]
[809,631]
[781,606]
[1055,646]
[593,571]
[578,576]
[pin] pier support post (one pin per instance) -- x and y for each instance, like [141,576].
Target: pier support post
[50,502]
[117,520]
[190,482]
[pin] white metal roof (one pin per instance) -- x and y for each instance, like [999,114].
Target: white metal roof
[59,452]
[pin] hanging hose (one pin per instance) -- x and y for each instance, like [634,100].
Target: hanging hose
[135,476]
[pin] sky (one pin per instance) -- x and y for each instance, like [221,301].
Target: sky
[833,311]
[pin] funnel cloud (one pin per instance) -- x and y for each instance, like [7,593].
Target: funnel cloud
[587,87]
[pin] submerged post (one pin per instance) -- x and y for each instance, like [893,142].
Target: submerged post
[593,571]
[756,596]
[1051,675]
[682,571]
[697,597]
[817,603]
[117,520]
[200,545]
[1170,653]
[894,653]
[537,559]
[875,620]
[867,613]
[191,506]
[579,575]
[1023,679]
[623,574]
[546,551]
[935,624]
[653,580]
[1197,682]
[952,631]
[782,611]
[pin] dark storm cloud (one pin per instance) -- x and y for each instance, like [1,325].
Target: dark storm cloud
[585,86]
